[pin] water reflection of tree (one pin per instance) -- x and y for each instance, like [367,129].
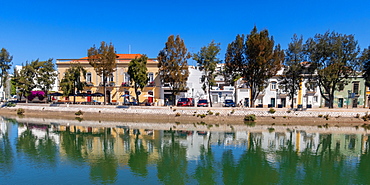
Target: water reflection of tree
[326,166]
[72,145]
[104,167]
[205,172]
[172,165]
[39,150]
[6,153]
[363,168]
[138,158]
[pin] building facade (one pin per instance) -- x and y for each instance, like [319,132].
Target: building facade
[119,89]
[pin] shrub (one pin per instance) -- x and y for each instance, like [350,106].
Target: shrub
[217,114]
[210,112]
[250,117]
[357,116]
[177,114]
[320,116]
[232,112]
[271,129]
[20,111]
[289,111]
[272,111]
[79,113]
[9,104]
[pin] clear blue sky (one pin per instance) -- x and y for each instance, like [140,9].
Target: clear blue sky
[66,29]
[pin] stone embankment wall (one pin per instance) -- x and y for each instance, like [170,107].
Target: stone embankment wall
[148,110]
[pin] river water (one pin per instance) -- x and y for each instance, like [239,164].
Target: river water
[33,153]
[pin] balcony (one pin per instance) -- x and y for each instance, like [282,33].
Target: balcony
[107,84]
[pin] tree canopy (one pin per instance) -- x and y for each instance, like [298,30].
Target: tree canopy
[5,65]
[334,57]
[365,59]
[138,73]
[173,65]
[103,60]
[291,79]
[256,60]
[71,82]
[207,61]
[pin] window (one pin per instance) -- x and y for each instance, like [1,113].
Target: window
[356,87]
[273,85]
[315,99]
[88,77]
[151,77]
[127,78]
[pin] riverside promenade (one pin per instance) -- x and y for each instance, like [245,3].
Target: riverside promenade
[191,111]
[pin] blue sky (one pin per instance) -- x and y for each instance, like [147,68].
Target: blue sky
[66,29]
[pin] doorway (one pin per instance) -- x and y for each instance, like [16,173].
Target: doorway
[340,103]
[107,94]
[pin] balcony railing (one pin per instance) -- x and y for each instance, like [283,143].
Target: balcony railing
[107,84]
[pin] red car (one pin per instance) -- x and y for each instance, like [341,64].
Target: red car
[202,103]
[185,102]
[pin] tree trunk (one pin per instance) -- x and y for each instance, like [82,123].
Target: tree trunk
[209,96]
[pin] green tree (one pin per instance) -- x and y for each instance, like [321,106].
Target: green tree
[234,59]
[5,65]
[71,82]
[103,59]
[291,79]
[256,61]
[46,75]
[173,65]
[207,61]
[138,73]
[365,59]
[334,57]
[25,80]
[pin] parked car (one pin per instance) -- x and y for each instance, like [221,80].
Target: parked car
[185,102]
[229,103]
[202,103]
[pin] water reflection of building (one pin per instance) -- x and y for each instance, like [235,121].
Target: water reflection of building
[124,141]
[119,141]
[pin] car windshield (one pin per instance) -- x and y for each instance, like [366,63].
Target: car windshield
[228,101]
[202,101]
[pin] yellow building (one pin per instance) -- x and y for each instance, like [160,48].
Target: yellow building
[119,89]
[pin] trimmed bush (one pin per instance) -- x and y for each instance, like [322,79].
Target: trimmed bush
[272,111]
[177,114]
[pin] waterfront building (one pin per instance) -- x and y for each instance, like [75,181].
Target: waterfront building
[119,89]
[353,95]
